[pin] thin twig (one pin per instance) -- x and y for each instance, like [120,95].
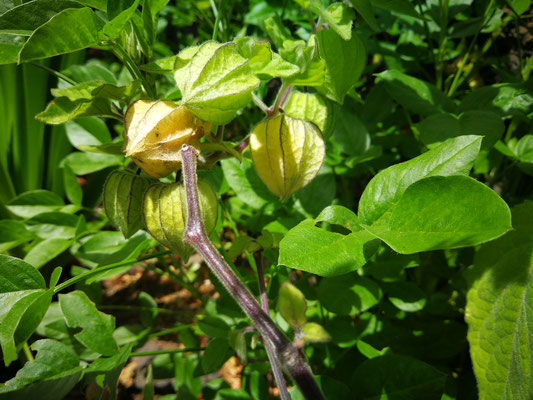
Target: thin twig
[288,355]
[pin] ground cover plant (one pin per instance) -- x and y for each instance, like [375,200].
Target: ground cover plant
[266,199]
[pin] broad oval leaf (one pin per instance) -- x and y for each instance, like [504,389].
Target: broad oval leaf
[313,249]
[345,61]
[16,274]
[70,30]
[443,212]
[499,312]
[216,82]
[414,94]
[454,156]
[97,327]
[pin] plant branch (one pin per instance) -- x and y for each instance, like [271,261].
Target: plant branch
[288,355]
[57,74]
[99,270]
[278,375]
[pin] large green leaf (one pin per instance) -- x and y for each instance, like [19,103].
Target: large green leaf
[348,294]
[503,98]
[452,157]
[113,28]
[499,312]
[10,45]
[91,89]
[29,204]
[21,311]
[16,274]
[364,7]
[442,212]
[396,377]
[313,249]
[51,376]
[439,127]
[417,96]
[27,17]
[97,327]
[216,82]
[70,30]
[47,250]
[61,109]
[345,61]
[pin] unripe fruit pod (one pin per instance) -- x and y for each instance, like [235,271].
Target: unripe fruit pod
[154,132]
[287,153]
[123,193]
[165,214]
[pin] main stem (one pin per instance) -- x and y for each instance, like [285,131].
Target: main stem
[287,354]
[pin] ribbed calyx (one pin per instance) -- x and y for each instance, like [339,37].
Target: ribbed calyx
[287,153]
[123,193]
[165,214]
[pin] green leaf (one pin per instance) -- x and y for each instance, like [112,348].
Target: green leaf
[399,6]
[313,332]
[439,127]
[214,327]
[364,7]
[27,17]
[406,296]
[73,189]
[22,313]
[292,305]
[11,230]
[306,58]
[348,294]
[311,107]
[524,149]
[505,99]
[54,224]
[310,248]
[83,163]
[29,204]
[345,61]
[61,109]
[16,274]
[423,220]
[415,95]
[216,83]
[70,30]
[97,327]
[90,131]
[113,28]
[47,250]
[110,368]
[397,377]
[454,156]
[10,45]
[338,16]
[263,61]
[51,376]
[498,312]
[248,187]
[350,132]
[91,89]
[215,354]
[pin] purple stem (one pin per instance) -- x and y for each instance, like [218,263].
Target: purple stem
[287,354]
[278,375]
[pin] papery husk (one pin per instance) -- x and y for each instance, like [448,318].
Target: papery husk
[165,214]
[123,193]
[154,132]
[287,153]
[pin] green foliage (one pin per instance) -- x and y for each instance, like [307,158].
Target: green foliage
[371,268]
